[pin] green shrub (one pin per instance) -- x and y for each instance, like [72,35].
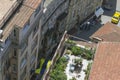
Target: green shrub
[86,54]
[58,71]
[76,50]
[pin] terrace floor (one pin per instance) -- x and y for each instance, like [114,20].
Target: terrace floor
[79,76]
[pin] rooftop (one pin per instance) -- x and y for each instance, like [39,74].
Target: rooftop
[6,9]
[5,5]
[106,62]
[108,32]
[20,19]
[21,16]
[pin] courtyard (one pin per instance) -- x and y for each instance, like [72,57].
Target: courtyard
[75,64]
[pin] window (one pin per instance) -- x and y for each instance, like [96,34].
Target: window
[36,27]
[23,62]
[6,40]
[14,32]
[24,46]
[34,43]
[7,63]
[26,27]
[15,52]
[14,67]
[0,68]
[32,59]
[23,74]
[73,14]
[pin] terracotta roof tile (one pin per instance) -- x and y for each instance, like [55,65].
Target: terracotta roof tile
[108,32]
[106,62]
[111,37]
[32,3]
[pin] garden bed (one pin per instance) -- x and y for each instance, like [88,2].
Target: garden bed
[83,57]
[80,51]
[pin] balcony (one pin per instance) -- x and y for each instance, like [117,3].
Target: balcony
[4,46]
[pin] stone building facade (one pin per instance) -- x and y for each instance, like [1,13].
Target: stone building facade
[19,40]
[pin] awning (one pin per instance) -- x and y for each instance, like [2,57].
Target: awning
[99,11]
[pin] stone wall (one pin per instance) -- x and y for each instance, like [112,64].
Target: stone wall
[53,25]
[79,10]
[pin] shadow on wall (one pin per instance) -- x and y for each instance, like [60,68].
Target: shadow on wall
[109,7]
[85,34]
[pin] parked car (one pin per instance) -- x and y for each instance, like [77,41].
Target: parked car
[116,17]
